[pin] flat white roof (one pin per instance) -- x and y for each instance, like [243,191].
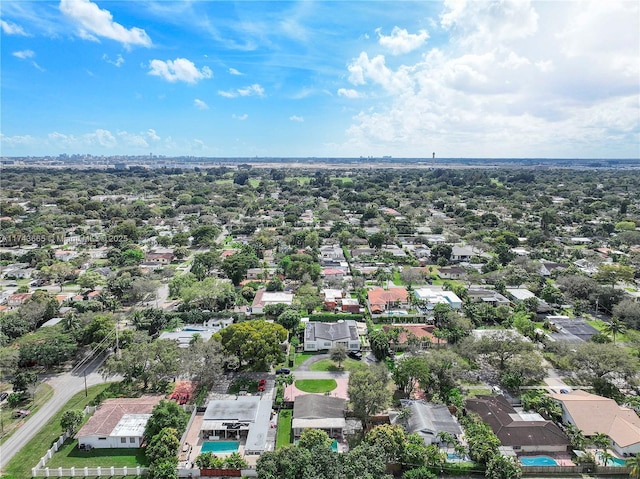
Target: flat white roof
[131,425]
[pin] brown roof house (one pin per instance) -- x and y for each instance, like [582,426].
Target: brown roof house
[118,422]
[594,414]
[381,300]
[524,432]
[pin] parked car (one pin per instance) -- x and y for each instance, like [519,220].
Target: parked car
[4,396]
[357,355]
[283,371]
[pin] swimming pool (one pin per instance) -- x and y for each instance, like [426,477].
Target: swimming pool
[538,461]
[612,461]
[334,446]
[453,457]
[220,447]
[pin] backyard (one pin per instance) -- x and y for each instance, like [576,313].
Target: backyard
[283,437]
[70,456]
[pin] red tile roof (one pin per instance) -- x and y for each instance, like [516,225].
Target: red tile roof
[109,413]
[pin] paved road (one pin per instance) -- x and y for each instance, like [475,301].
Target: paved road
[64,386]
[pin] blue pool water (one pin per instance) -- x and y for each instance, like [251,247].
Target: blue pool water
[220,447]
[334,446]
[453,457]
[538,461]
[613,462]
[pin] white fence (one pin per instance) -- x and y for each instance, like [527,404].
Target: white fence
[88,471]
[41,471]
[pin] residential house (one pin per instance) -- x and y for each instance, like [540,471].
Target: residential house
[333,273]
[423,332]
[427,420]
[489,296]
[594,414]
[314,411]
[17,299]
[156,257]
[65,255]
[117,423]
[351,305]
[380,300]
[524,432]
[264,298]
[452,272]
[332,298]
[243,418]
[322,336]
[570,330]
[254,274]
[548,267]
[429,297]
[462,253]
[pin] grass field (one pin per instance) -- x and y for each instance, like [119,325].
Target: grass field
[302,357]
[20,466]
[44,392]
[70,456]
[283,437]
[329,365]
[316,385]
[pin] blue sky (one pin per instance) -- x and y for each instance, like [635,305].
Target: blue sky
[462,78]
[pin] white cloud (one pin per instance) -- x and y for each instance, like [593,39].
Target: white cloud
[240,117]
[297,118]
[94,22]
[179,69]
[152,135]
[233,71]
[401,41]
[12,29]
[251,90]
[24,54]
[349,93]
[117,62]
[200,105]
[515,79]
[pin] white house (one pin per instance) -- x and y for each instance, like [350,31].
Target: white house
[117,423]
[320,336]
[264,298]
[433,296]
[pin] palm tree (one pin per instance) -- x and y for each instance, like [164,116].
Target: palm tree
[605,457]
[634,463]
[616,326]
[600,440]
[446,438]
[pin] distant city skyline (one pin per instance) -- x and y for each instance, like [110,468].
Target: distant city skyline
[462,78]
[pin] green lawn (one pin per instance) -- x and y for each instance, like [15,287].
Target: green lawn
[20,466]
[302,357]
[329,365]
[283,437]
[316,385]
[601,325]
[70,456]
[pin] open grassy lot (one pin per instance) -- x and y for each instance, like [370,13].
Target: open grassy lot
[44,392]
[70,456]
[329,365]
[316,385]
[20,466]
[283,437]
